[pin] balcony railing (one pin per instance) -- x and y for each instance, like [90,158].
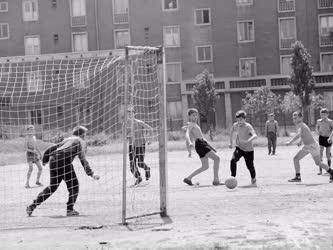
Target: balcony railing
[247,83]
[78,21]
[285,5]
[326,40]
[286,43]
[324,4]
[120,18]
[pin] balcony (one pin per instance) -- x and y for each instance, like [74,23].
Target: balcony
[286,43]
[119,18]
[326,40]
[325,4]
[77,21]
[286,5]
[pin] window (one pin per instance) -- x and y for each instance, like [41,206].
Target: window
[175,110]
[244,2]
[204,54]
[4,31]
[34,81]
[84,114]
[3,6]
[325,4]
[35,117]
[245,30]
[81,79]
[326,25]
[32,45]
[60,111]
[287,32]
[169,5]
[171,36]
[120,11]
[286,5]
[30,10]
[247,67]
[202,16]
[173,72]
[5,69]
[285,65]
[326,62]
[122,38]
[78,12]
[80,42]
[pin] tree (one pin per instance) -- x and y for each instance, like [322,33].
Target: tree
[261,102]
[301,79]
[205,97]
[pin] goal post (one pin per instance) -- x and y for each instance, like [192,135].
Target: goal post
[57,92]
[130,79]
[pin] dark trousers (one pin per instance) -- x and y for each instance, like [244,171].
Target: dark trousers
[248,157]
[61,168]
[137,158]
[271,139]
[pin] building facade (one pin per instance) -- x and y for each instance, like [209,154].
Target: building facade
[244,44]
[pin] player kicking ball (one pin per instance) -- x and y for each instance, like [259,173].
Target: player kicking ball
[61,157]
[202,147]
[310,147]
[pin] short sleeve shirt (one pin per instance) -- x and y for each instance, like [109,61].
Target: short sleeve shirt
[244,132]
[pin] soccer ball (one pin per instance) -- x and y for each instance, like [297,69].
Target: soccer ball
[231,182]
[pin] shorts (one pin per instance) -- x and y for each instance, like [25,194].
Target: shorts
[313,149]
[202,147]
[323,141]
[32,157]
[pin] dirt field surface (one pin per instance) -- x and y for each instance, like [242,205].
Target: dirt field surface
[274,215]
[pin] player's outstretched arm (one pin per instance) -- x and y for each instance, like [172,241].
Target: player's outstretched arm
[187,137]
[298,135]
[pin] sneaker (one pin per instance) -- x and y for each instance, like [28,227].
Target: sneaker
[72,213]
[296,179]
[319,173]
[273,153]
[138,181]
[148,174]
[188,182]
[27,186]
[331,177]
[29,210]
[254,181]
[269,153]
[38,183]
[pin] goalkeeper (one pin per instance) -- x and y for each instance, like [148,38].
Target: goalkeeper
[137,145]
[61,157]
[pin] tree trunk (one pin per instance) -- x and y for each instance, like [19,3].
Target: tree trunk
[285,124]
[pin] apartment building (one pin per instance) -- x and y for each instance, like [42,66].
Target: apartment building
[244,44]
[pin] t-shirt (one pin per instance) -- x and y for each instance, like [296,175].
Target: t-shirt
[271,126]
[137,132]
[244,132]
[325,127]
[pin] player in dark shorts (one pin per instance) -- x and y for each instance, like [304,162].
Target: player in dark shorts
[61,157]
[324,128]
[202,147]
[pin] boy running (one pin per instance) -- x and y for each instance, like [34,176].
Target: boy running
[310,147]
[271,132]
[324,128]
[33,155]
[244,148]
[137,145]
[203,149]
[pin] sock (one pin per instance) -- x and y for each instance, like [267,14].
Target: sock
[298,175]
[329,163]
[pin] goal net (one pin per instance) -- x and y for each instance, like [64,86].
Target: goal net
[119,96]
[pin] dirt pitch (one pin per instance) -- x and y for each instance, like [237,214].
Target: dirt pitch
[275,215]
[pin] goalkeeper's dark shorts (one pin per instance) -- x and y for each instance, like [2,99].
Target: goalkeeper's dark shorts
[202,147]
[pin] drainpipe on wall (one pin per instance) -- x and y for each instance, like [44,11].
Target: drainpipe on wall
[97,24]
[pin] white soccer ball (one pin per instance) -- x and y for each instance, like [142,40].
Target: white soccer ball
[231,182]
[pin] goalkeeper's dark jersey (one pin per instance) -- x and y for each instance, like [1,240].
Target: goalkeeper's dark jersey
[68,149]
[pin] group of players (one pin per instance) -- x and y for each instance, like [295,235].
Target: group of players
[245,135]
[61,155]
